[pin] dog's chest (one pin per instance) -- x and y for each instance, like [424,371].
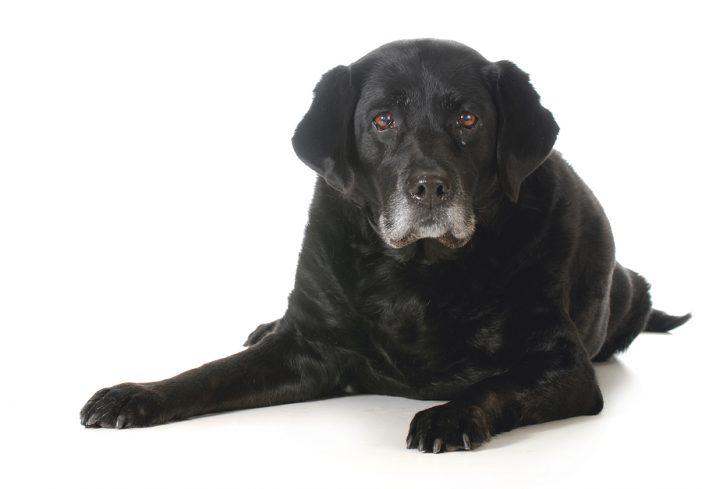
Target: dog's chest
[431,328]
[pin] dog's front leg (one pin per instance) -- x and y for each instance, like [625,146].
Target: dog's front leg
[553,382]
[282,368]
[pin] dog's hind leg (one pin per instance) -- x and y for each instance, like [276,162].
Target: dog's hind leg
[630,306]
[260,332]
[631,313]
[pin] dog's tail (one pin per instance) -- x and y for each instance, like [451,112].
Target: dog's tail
[660,322]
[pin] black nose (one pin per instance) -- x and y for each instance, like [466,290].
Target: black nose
[429,189]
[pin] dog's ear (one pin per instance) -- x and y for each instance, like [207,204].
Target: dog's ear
[324,139]
[526,130]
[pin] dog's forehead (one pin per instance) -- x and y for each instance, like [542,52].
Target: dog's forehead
[427,66]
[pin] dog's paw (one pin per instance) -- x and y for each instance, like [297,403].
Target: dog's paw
[124,406]
[261,332]
[448,428]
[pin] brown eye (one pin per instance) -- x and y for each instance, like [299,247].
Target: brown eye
[467,120]
[383,121]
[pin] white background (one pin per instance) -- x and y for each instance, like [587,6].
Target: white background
[152,208]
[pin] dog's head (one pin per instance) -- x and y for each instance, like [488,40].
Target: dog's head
[423,134]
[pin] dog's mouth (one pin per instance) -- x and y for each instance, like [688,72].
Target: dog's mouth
[402,226]
[447,239]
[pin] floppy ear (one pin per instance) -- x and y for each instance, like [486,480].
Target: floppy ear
[526,131]
[324,139]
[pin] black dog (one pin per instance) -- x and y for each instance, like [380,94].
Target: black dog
[450,254]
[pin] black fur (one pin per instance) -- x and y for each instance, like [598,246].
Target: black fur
[505,325]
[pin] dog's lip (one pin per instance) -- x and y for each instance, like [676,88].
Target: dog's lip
[450,226]
[447,239]
[451,241]
[431,227]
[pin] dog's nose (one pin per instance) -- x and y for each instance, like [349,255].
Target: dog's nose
[429,189]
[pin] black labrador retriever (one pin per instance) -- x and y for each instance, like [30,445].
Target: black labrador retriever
[450,254]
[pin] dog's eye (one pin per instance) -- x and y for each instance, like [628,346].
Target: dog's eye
[383,121]
[467,120]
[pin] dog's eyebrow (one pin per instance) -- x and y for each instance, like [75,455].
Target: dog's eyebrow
[450,100]
[399,98]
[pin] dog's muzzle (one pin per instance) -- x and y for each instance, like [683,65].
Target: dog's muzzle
[427,206]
